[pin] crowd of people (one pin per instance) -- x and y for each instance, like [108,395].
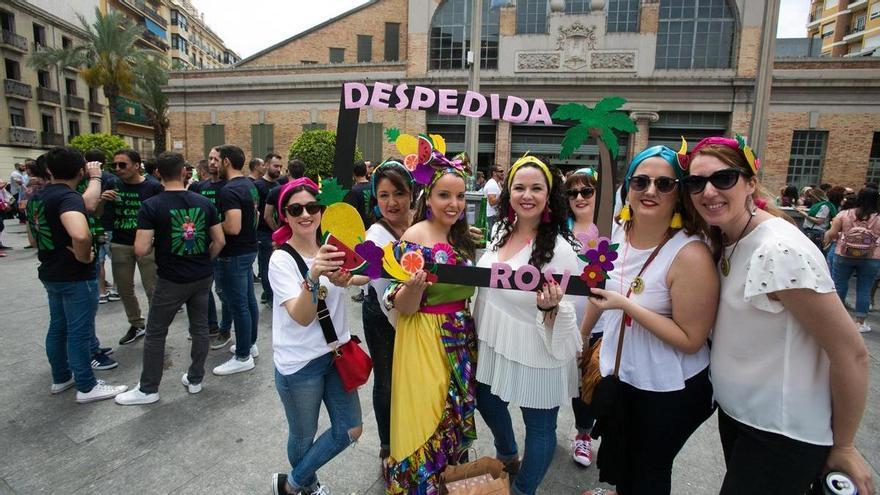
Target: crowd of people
[716,300]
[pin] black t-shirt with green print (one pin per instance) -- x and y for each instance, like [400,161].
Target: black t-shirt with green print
[209,189]
[131,196]
[240,194]
[57,262]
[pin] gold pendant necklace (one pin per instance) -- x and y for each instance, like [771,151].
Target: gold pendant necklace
[725,260]
[638,285]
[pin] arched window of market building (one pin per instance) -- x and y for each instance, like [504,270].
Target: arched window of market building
[451,33]
[695,34]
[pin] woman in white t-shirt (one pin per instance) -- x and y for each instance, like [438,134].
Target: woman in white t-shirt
[304,372]
[788,366]
[660,298]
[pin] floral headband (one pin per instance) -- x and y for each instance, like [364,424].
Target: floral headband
[530,160]
[738,144]
[667,154]
[284,232]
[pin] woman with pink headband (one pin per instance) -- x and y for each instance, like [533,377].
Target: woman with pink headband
[302,272]
[788,366]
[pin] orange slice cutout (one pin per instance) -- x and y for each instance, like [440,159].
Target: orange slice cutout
[411,161]
[412,262]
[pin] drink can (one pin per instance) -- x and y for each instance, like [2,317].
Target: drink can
[837,483]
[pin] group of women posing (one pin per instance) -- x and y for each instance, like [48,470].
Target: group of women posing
[697,258]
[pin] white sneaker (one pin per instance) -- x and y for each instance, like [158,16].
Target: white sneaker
[57,388]
[100,391]
[255,352]
[234,366]
[135,397]
[864,328]
[321,490]
[193,388]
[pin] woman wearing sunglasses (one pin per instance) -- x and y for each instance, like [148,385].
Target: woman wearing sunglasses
[661,299]
[789,368]
[304,372]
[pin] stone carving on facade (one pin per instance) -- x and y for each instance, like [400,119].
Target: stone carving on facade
[537,61]
[574,41]
[613,61]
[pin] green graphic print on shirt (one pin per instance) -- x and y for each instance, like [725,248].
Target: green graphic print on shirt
[39,226]
[188,231]
[255,196]
[127,207]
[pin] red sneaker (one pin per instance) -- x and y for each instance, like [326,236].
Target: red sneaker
[582,450]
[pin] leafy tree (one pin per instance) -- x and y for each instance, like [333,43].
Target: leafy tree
[317,149]
[109,57]
[105,142]
[148,89]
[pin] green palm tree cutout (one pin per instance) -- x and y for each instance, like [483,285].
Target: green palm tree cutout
[188,235]
[604,117]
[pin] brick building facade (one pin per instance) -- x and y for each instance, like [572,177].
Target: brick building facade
[824,113]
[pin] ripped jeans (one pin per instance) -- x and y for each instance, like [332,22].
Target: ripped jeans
[301,394]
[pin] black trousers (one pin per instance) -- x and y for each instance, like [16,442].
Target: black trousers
[658,425]
[760,462]
[379,335]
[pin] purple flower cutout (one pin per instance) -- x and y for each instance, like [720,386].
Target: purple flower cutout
[603,255]
[372,254]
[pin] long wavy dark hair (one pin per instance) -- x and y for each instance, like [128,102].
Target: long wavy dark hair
[459,237]
[545,240]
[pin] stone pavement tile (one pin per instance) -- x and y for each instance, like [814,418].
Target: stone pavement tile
[150,473]
[4,488]
[30,445]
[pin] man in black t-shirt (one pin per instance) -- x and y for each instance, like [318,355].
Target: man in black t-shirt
[209,186]
[264,184]
[239,203]
[359,195]
[185,231]
[59,229]
[132,190]
[295,169]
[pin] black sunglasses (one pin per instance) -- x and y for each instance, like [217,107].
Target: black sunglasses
[722,180]
[119,164]
[664,185]
[586,192]
[296,209]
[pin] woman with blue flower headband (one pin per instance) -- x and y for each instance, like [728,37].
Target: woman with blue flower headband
[661,298]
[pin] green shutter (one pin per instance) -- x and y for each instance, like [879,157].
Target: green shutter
[369,140]
[314,127]
[392,41]
[262,139]
[214,136]
[365,48]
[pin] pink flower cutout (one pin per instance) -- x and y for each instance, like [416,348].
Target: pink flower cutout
[590,240]
[444,254]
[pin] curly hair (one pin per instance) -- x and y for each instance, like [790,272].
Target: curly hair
[545,240]
[459,237]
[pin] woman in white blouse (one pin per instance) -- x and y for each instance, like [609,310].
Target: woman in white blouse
[789,367]
[661,296]
[528,342]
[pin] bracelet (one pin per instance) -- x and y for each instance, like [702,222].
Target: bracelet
[546,310]
[96,178]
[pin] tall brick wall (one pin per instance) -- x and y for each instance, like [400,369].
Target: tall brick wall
[749,51]
[343,34]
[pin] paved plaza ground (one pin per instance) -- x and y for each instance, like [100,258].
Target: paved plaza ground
[231,437]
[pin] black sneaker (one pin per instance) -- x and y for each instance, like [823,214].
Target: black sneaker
[103,362]
[222,340]
[279,484]
[105,350]
[4,248]
[213,332]
[132,334]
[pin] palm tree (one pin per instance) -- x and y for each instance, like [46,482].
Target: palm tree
[153,74]
[108,57]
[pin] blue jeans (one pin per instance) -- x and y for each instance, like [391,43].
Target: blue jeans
[865,270]
[235,285]
[225,320]
[72,309]
[264,252]
[830,257]
[301,395]
[540,437]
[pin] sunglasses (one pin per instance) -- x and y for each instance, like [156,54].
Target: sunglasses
[722,180]
[119,164]
[586,192]
[296,209]
[664,185]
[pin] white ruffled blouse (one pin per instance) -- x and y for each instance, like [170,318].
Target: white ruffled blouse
[523,361]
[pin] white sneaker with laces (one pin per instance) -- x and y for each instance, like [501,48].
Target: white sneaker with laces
[57,388]
[321,490]
[234,366]
[582,450]
[255,352]
[192,388]
[135,397]
[864,328]
[100,391]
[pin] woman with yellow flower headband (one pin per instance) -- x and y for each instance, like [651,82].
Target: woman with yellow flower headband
[528,342]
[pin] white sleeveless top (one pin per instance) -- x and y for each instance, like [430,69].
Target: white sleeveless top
[647,362]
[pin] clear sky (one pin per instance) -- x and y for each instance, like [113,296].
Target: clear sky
[252,25]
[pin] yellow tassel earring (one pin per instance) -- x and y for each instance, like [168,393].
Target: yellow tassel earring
[626,213]
[675,223]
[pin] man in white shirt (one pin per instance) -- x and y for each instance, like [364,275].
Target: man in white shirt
[492,190]
[17,183]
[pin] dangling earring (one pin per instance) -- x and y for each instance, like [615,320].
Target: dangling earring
[626,213]
[428,214]
[461,216]
[676,222]
[511,216]
[545,218]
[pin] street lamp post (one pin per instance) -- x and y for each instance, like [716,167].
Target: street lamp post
[472,124]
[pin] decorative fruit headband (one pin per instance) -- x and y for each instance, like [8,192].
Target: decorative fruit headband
[425,157]
[738,144]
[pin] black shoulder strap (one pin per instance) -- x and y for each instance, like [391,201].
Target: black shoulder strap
[323,313]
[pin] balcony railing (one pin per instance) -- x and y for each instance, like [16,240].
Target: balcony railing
[52,139]
[76,102]
[155,40]
[48,95]
[96,108]
[22,135]
[17,89]
[16,41]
